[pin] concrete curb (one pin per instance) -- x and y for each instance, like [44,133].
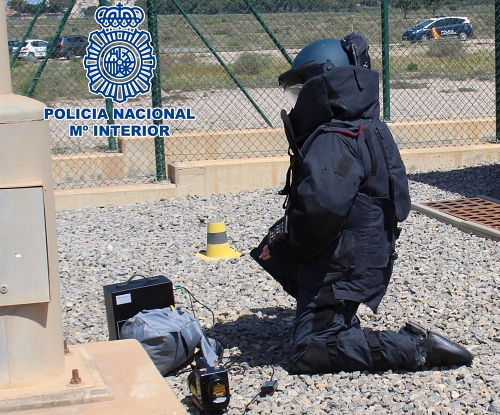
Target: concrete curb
[201,178]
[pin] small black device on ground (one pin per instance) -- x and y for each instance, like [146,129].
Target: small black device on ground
[209,386]
[268,388]
[124,300]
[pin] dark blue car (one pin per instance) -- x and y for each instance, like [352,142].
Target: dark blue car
[438,27]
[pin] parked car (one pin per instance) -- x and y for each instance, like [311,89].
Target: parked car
[33,48]
[13,45]
[440,26]
[70,46]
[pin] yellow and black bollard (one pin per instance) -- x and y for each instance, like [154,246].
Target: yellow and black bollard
[217,244]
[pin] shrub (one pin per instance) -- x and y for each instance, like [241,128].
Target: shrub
[407,85]
[412,67]
[250,63]
[445,48]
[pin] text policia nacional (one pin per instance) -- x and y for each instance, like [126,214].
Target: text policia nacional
[128,130]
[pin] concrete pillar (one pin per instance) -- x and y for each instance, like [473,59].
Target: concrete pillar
[31,341]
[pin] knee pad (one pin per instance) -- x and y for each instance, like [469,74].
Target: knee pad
[316,357]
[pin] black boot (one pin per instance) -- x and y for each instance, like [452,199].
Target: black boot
[437,350]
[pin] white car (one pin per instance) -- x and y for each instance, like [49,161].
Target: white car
[33,48]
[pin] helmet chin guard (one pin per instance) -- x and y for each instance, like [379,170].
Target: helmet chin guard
[292,93]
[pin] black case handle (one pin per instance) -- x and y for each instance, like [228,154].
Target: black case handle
[124,284]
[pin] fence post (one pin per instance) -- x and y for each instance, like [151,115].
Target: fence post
[268,31]
[50,48]
[386,69]
[109,107]
[152,13]
[497,68]
[219,59]
[112,146]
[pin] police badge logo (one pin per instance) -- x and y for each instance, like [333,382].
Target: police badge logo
[119,61]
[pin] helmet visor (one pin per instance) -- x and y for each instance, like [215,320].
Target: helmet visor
[292,93]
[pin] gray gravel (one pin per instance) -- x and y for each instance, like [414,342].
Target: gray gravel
[444,279]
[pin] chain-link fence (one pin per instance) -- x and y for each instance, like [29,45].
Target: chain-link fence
[220,59]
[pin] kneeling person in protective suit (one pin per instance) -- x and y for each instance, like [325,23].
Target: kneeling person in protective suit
[346,193]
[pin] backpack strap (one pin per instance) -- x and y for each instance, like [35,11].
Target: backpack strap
[371,150]
[391,180]
[292,152]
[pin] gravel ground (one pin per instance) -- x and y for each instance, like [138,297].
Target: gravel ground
[444,279]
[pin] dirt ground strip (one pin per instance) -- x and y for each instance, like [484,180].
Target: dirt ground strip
[226,109]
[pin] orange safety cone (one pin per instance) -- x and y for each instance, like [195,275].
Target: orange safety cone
[217,244]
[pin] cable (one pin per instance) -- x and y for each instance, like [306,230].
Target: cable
[191,298]
[249,403]
[217,330]
[267,388]
[271,365]
[179,287]
[191,305]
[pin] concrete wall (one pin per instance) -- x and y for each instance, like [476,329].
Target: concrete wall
[222,176]
[81,168]
[239,173]
[426,159]
[442,133]
[137,154]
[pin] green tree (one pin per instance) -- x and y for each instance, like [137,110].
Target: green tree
[406,6]
[142,5]
[369,3]
[32,8]
[17,5]
[432,5]
[57,6]
[89,11]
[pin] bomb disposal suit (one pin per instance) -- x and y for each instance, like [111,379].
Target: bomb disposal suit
[346,193]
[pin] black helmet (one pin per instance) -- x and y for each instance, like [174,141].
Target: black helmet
[316,58]
[322,56]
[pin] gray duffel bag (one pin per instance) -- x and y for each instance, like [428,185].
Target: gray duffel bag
[170,337]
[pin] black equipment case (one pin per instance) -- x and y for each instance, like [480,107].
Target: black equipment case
[124,300]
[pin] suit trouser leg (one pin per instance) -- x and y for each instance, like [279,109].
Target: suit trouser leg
[327,334]
[328,338]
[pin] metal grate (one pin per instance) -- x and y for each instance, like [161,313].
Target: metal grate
[478,210]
